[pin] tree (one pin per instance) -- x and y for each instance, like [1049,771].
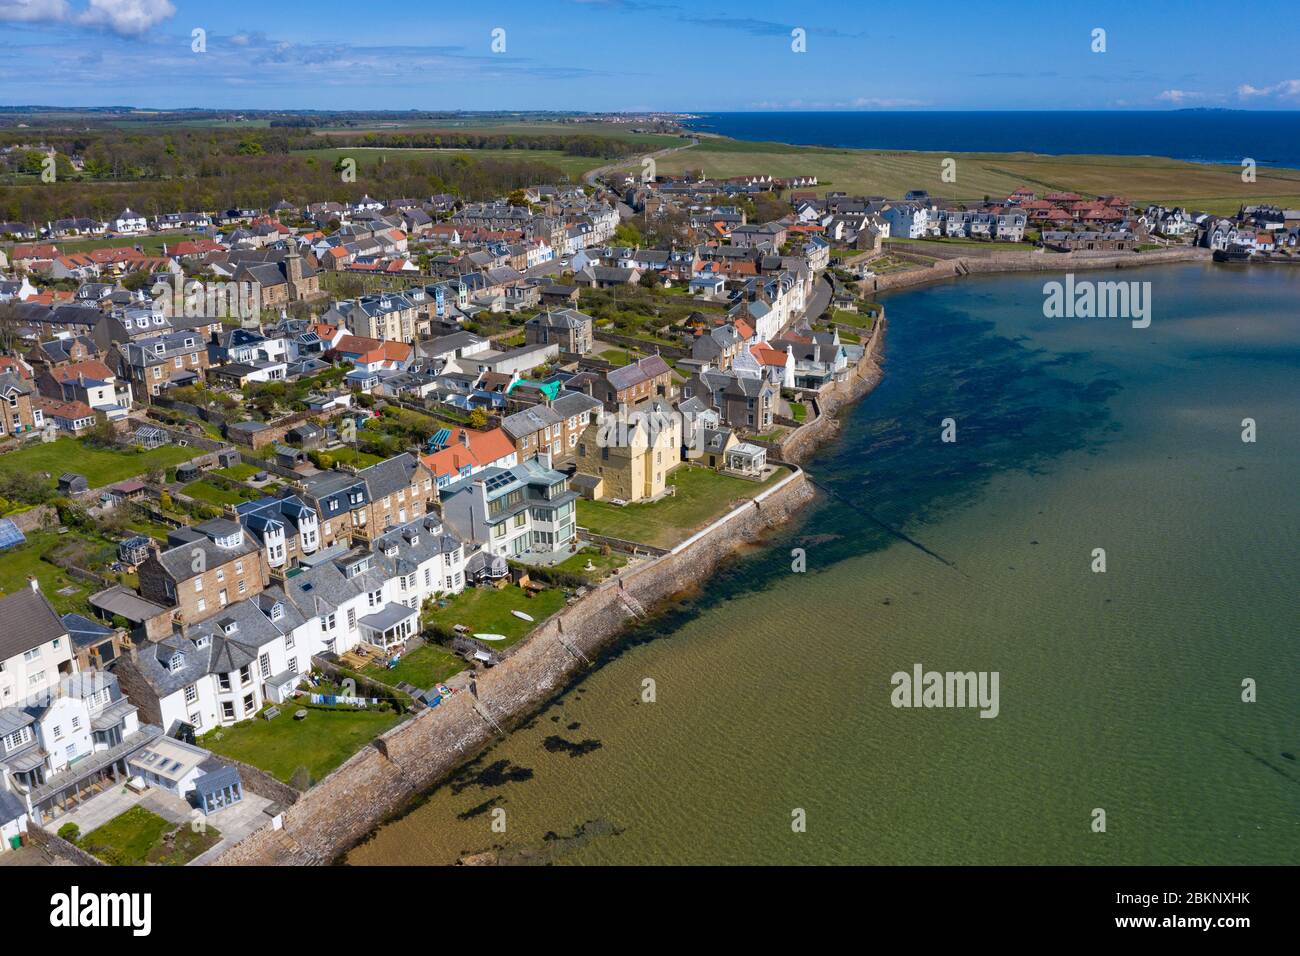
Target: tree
[478,418]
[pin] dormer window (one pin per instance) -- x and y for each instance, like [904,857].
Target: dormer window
[230,627]
[202,641]
[176,662]
[392,552]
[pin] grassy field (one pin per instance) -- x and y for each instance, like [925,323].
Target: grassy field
[605,564]
[423,668]
[319,743]
[152,245]
[136,838]
[487,611]
[100,466]
[702,495]
[571,166]
[1213,188]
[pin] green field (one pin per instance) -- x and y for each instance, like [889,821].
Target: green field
[1213,188]
[701,496]
[318,743]
[99,465]
[152,245]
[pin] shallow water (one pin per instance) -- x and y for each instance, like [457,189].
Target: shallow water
[1119,691]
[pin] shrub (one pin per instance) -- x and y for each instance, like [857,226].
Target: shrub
[70,832]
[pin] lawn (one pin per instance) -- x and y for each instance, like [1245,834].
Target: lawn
[702,495]
[798,411]
[318,743]
[604,563]
[423,668]
[100,466]
[140,837]
[487,611]
[17,563]
[860,319]
[350,456]
[240,472]
[214,494]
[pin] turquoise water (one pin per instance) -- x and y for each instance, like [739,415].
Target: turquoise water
[1119,691]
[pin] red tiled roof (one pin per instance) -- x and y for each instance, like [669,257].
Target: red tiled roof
[469,448]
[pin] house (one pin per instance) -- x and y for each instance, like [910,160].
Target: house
[89,382]
[63,740]
[523,512]
[742,401]
[73,417]
[551,426]
[18,415]
[630,452]
[153,365]
[467,452]
[128,223]
[649,377]
[570,329]
[606,277]
[35,651]
[287,529]
[214,672]
[400,490]
[342,502]
[203,569]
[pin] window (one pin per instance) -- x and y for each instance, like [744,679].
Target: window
[35,680]
[245,674]
[18,738]
[352,619]
[76,723]
[227,710]
[223,682]
[221,574]
[58,731]
[264,663]
[191,693]
[222,597]
[327,622]
[32,655]
[239,567]
[198,584]
[202,605]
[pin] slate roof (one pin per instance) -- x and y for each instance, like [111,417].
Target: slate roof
[29,620]
[390,476]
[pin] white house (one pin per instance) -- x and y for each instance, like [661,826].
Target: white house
[129,223]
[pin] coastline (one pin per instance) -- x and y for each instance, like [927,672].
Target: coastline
[950,264]
[395,770]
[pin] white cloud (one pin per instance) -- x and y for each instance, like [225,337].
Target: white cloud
[1180,96]
[128,17]
[33,11]
[1286,88]
[125,17]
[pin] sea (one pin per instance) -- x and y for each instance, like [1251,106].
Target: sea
[1155,695]
[1271,138]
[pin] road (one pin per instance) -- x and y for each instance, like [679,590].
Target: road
[592,175]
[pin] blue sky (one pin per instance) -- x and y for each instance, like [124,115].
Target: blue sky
[634,55]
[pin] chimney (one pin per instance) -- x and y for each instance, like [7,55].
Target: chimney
[464,437]
[33,583]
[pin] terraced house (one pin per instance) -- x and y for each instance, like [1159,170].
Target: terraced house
[203,569]
[18,416]
[154,365]
[399,489]
[525,513]
[388,316]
